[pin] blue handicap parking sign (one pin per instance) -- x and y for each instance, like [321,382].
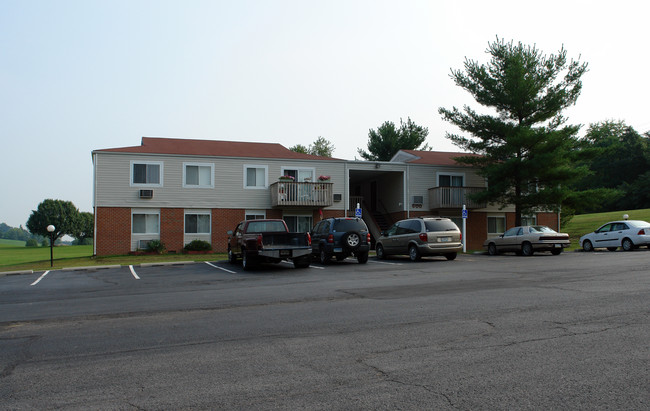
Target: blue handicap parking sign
[357,212]
[464,213]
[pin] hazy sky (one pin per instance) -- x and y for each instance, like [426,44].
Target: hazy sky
[82,75]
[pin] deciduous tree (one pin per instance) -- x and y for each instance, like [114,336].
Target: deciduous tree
[526,150]
[61,214]
[387,140]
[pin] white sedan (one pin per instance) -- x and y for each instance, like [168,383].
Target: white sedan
[629,234]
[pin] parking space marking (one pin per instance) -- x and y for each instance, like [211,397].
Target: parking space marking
[383,262]
[220,268]
[40,278]
[133,272]
[310,266]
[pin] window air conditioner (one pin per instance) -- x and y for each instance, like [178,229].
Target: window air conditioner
[417,200]
[146,193]
[338,197]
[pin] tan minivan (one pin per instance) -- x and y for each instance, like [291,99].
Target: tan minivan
[417,237]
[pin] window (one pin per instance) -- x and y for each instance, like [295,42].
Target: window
[450,180]
[299,174]
[146,223]
[146,173]
[255,215]
[198,175]
[496,225]
[255,176]
[298,223]
[528,220]
[197,223]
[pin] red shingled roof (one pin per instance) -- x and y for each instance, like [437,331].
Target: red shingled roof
[437,158]
[157,145]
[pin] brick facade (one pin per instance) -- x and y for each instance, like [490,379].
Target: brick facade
[172,229]
[113,230]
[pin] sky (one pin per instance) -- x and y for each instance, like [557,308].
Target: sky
[76,76]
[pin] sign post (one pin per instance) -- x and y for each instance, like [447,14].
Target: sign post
[357,211]
[464,229]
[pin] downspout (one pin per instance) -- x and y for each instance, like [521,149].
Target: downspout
[407,191]
[94,157]
[346,188]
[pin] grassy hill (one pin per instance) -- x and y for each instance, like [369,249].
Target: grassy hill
[11,243]
[585,223]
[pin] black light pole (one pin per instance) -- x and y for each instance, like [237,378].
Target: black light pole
[50,228]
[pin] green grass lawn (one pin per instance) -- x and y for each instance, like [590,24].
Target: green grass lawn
[15,258]
[585,223]
[14,243]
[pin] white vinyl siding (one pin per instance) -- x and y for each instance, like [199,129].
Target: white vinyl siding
[146,174]
[198,175]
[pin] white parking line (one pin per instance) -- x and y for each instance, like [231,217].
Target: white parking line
[133,272]
[220,268]
[40,278]
[311,266]
[383,262]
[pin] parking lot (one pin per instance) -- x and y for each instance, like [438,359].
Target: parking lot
[566,331]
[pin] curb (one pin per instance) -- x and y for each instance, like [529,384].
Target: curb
[167,263]
[16,272]
[90,267]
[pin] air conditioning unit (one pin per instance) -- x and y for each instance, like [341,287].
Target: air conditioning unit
[417,200]
[338,197]
[143,244]
[146,193]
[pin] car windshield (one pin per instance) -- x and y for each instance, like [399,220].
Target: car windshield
[541,229]
[440,225]
[349,224]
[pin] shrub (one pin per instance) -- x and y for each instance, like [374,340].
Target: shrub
[198,245]
[32,242]
[156,246]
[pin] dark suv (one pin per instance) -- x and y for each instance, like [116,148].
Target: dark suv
[340,237]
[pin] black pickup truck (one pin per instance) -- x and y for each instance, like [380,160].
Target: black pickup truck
[256,241]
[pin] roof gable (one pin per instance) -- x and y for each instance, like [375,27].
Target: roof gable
[215,148]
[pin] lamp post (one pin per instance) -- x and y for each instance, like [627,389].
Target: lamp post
[50,228]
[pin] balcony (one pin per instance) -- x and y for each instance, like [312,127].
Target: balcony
[290,194]
[453,197]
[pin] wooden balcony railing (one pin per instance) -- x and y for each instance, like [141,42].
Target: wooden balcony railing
[301,194]
[453,197]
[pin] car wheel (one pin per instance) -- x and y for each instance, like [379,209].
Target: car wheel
[323,257]
[302,262]
[556,251]
[362,258]
[379,249]
[351,240]
[414,253]
[612,248]
[232,258]
[246,262]
[527,249]
[627,244]
[587,246]
[451,256]
[492,249]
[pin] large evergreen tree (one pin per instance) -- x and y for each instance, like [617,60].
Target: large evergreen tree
[526,149]
[387,140]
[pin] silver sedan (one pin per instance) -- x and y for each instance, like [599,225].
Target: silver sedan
[525,240]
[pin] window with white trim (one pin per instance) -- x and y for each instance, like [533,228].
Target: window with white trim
[451,180]
[529,220]
[146,173]
[255,176]
[496,225]
[197,223]
[198,175]
[145,223]
[255,215]
[299,174]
